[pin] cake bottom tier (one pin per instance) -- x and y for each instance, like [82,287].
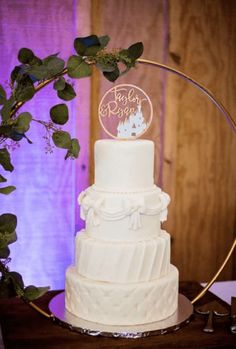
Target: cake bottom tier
[122,304]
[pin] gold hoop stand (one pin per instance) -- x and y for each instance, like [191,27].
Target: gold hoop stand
[221,108]
[231,122]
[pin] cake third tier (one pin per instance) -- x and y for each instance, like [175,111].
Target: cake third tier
[122,262]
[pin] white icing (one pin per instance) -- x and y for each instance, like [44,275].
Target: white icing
[122,273]
[124,165]
[122,304]
[122,262]
[128,212]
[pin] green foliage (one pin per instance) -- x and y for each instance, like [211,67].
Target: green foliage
[14,74]
[16,279]
[74,150]
[78,68]
[3,95]
[104,40]
[7,190]
[32,292]
[26,79]
[22,123]
[24,90]
[68,93]
[2,179]
[5,160]
[59,84]
[38,72]
[25,55]
[6,109]
[4,253]
[8,224]
[59,114]
[112,75]
[61,139]
[53,65]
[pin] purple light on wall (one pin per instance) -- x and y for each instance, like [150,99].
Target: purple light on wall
[45,199]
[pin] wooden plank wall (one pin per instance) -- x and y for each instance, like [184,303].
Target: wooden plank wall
[199,151]
[194,145]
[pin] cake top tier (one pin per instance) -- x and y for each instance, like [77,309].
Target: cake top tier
[124,166]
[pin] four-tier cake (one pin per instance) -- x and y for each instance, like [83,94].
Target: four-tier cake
[122,273]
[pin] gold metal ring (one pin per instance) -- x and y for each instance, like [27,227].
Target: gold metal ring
[231,122]
[221,108]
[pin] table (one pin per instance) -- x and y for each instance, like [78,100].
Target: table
[24,328]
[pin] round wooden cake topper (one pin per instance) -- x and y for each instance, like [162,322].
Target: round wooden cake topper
[125,112]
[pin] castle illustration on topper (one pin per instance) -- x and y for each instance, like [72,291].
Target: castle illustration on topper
[132,126]
[125,112]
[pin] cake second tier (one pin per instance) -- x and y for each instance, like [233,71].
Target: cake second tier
[123,216]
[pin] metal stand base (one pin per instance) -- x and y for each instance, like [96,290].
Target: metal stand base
[173,323]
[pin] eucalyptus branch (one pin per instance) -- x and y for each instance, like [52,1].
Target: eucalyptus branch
[39,87]
[27,79]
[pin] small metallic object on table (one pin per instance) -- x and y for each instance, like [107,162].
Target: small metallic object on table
[212,309]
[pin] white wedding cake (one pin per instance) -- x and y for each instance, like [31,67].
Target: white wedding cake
[122,273]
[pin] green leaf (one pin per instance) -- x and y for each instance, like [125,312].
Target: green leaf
[14,73]
[59,114]
[68,93]
[3,95]
[104,40]
[59,84]
[4,253]
[79,47]
[39,72]
[35,61]
[8,222]
[87,46]
[7,238]
[136,50]
[2,179]
[74,149]
[17,280]
[6,130]
[5,160]
[62,139]
[22,124]
[31,292]
[6,109]
[113,75]
[73,62]
[90,45]
[53,64]
[24,90]
[93,50]
[6,289]
[7,190]
[77,68]
[25,55]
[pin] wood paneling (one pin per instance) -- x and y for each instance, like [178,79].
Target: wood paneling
[199,167]
[194,145]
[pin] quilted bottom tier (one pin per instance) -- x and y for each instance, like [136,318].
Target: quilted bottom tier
[121,304]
